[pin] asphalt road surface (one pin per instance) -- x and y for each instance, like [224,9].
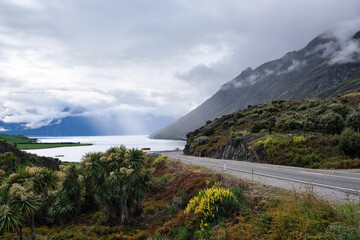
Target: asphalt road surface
[333,185]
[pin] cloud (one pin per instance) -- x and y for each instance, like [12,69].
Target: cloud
[95,58]
[340,46]
[3,129]
[349,52]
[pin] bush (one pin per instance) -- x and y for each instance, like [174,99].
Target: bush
[301,108]
[236,134]
[354,120]
[304,161]
[209,132]
[212,203]
[201,140]
[349,143]
[258,126]
[160,160]
[332,123]
[239,115]
[339,108]
[269,142]
[299,139]
[291,124]
[181,233]
[213,140]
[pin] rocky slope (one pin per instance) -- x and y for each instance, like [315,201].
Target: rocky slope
[327,66]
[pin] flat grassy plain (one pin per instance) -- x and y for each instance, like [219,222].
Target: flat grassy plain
[23,142]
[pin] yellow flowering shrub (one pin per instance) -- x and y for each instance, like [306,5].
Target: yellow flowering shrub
[160,160]
[269,142]
[299,139]
[212,203]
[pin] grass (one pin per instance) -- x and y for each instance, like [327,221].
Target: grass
[49,145]
[23,142]
[16,139]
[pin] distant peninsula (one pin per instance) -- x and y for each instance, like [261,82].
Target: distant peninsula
[23,142]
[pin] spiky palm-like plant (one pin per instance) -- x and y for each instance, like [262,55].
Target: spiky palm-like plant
[44,180]
[70,197]
[17,203]
[61,208]
[118,181]
[10,220]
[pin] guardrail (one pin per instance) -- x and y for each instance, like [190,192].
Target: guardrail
[346,190]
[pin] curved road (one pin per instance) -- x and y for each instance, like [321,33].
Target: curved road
[332,184]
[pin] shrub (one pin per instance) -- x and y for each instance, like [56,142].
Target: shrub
[291,124]
[157,236]
[213,140]
[349,142]
[339,109]
[201,140]
[163,180]
[332,123]
[304,161]
[258,126]
[354,120]
[239,115]
[160,160]
[272,109]
[212,203]
[297,160]
[301,108]
[299,139]
[208,121]
[269,142]
[236,134]
[208,132]
[181,233]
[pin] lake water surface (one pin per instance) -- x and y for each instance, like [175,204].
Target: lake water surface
[102,143]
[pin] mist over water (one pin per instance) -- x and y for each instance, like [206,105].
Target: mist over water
[102,143]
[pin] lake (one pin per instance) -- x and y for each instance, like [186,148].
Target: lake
[102,143]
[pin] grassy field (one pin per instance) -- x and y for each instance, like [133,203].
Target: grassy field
[23,142]
[50,145]
[16,139]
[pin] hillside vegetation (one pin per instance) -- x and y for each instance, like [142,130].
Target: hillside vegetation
[309,133]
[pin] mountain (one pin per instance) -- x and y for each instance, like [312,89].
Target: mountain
[90,126]
[326,66]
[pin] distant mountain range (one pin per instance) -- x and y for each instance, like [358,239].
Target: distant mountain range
[327,66]
[89,126]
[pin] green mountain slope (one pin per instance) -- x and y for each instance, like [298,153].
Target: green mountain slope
[309,133]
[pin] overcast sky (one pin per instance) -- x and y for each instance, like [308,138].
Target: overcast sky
[165,57]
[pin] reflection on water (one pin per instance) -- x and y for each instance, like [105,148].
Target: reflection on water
[102,143]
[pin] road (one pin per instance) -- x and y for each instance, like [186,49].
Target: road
[331,184]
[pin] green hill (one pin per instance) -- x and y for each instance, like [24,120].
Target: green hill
[16,139]
[309,133]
